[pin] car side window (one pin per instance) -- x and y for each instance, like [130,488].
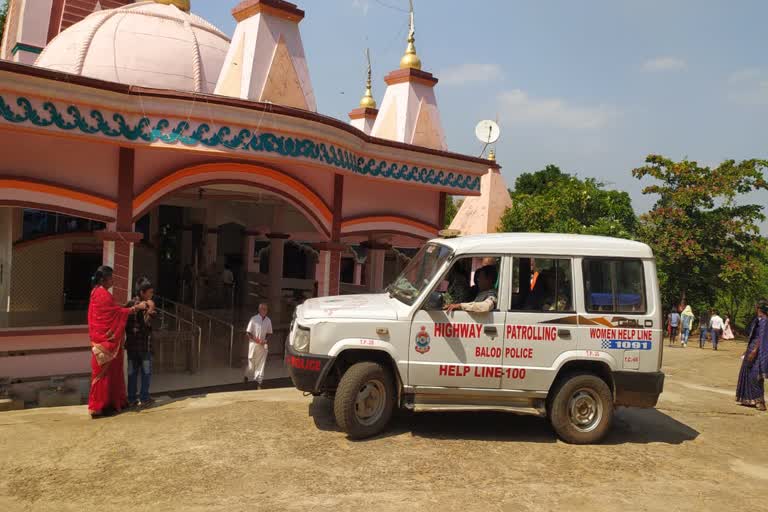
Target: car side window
[614,285]
[461,284]
[542,284]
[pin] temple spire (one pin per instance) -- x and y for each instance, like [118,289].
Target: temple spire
[410,59]
[181,4]
[368,101]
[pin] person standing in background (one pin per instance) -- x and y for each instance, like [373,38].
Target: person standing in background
[750,390]
[716,328]
[703,329]
[259,329]
[138,344]
[686,324]
[674,325]
[106,328]
[727,330]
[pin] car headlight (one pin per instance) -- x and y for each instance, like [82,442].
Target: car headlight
[301,339]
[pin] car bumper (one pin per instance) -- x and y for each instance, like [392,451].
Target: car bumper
[307,371]
[638,389]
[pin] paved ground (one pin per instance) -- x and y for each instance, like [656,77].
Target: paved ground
[276,450]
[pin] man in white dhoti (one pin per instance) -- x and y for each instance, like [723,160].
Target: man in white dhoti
[259,329]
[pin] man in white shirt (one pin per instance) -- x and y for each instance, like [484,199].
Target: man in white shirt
[259,329]
[716,327]
[485,301]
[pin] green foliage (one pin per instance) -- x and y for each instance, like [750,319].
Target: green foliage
[552,201]
[706,240]
[3,16]
[451,209]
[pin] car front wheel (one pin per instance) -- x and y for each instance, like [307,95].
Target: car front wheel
[364,400]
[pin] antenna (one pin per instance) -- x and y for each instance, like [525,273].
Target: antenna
[487,132]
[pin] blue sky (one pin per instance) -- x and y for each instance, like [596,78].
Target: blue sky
[592,86]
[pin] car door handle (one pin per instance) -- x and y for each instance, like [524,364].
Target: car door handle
[491,330]
[564,333]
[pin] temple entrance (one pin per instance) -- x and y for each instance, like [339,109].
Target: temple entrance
[214,253]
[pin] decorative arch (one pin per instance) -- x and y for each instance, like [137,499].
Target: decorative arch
[389,223]
[24,193]
[290,189]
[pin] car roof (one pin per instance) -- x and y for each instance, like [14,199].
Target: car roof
[547,244]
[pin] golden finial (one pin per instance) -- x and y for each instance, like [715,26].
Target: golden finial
[410,59]
[492,155]
[368,101]
[181,4]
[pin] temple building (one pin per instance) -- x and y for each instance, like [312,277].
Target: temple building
[482,214]
[139,135]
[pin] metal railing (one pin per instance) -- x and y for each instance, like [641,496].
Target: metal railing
[198,318]
[179,322]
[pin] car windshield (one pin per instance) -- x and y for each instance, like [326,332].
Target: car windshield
[419,273]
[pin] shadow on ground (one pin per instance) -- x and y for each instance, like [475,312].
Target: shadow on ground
[631,426]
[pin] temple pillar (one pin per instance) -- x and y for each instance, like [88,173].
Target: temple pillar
[118,254]
[328,269]
[276,258]
[358,276]
[375,265]
[118,239]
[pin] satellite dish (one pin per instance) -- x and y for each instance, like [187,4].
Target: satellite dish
[487,131]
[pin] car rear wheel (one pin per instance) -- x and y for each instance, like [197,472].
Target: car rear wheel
[364,400]
[581,410]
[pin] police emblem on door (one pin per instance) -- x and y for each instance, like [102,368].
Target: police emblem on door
[422,341]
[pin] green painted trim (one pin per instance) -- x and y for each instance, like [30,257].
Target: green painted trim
[114,125]
[21,47]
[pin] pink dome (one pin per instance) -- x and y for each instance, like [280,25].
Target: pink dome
[146,43]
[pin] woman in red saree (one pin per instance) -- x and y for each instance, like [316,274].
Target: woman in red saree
[106,326]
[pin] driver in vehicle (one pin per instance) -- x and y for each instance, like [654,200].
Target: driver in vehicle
[459,289]
[485,301]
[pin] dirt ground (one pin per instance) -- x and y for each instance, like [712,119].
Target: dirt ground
[276,450]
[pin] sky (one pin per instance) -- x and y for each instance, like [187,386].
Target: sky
[591,86]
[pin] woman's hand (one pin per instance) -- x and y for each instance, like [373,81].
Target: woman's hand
[141,306]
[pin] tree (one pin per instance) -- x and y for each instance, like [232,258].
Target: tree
[3,16]
[552,201]
[451,209]
[706,238]
[743,290]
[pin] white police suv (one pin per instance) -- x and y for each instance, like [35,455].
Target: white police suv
[562,326]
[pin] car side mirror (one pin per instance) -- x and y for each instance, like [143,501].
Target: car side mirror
[434,301]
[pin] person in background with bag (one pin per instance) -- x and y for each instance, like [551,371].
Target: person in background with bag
[686,321]
[750,390]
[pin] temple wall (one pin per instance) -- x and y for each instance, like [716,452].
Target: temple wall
[37,277]
[6,255]
[34,370]
[365,197]
[154,164]
[84,166]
